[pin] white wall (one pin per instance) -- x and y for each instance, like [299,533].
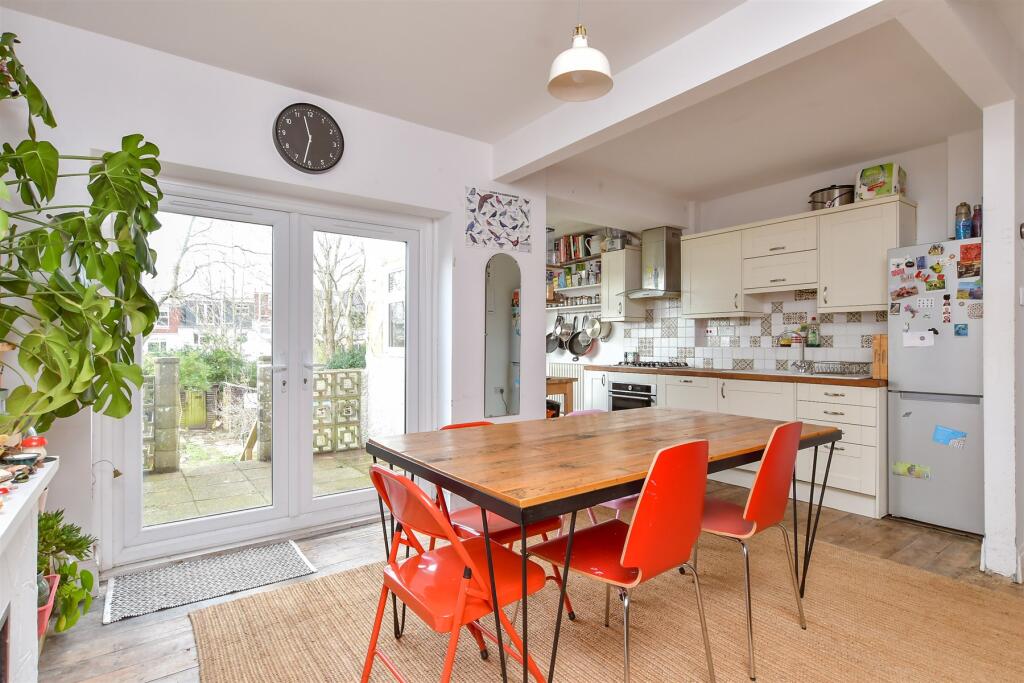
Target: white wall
[211,123]
[940,176]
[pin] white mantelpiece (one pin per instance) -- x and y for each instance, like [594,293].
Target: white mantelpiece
[19,525]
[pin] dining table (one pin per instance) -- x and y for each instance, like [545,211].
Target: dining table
[531,470]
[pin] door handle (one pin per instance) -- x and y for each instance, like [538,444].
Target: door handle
[777,279]
[687,381]
[723,389]
[620,308]
[736,300]
[602,380]
[776,248]
[824,294]
[829,393]
[833,412]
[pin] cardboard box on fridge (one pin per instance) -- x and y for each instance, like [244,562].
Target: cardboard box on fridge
[881,180]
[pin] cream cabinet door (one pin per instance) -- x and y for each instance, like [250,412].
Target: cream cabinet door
[595,390]
[852,248]
[688,392]
[620,272]
[766,400]
[713,275]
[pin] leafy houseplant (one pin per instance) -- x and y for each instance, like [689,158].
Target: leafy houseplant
[71,299]
[61,546]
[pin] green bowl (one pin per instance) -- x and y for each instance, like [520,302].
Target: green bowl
[20,459]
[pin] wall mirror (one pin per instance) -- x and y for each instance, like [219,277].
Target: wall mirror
[501,336]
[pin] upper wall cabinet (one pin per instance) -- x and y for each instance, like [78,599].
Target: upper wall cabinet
[780,256]
[620,272]
[852,246]
[712,274]
[800,234]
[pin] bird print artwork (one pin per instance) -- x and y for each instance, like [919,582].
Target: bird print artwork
[497,220]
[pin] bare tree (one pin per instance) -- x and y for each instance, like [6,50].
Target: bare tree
[338,275]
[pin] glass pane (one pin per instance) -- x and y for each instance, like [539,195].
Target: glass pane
[358,354]
[207,398]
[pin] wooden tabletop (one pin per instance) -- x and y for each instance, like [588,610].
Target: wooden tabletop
[553,464]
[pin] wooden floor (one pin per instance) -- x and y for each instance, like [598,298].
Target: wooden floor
[160,647]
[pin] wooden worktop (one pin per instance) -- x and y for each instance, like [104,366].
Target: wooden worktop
[837,380]
[533,462]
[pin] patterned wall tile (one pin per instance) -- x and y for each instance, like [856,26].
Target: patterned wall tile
[777,307]
[853,317]
[794,318]
[827,318]
[776,341]
[755,342]
[734,341]
[782,365]
[766,325]
[827,341]
[865,341]
[742,364]
[649,315]
[709,363]
[627,333]
[670,327]
[806,294]
[881,316]
[645,347]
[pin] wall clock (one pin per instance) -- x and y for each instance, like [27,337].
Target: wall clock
[308,138]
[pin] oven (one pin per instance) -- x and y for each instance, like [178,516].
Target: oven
[625,395]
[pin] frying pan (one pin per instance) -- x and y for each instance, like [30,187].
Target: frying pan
[565,332]
[578,345]
[597,328]
[552,339]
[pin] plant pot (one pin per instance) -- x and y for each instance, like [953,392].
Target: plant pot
[44,612]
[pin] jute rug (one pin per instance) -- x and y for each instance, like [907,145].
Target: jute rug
[868,620]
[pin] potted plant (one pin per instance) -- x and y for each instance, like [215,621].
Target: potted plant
[71,297]
[62,546]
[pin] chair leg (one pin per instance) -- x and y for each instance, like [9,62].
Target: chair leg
[478,636]
[792,575]
[703,622]
[372,650]
[750,620]
[607,602]
[624,594]
[593,517]
[449,659]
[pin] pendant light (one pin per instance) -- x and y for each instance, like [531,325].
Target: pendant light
[580,73]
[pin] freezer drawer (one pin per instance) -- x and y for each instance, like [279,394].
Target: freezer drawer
[952,493]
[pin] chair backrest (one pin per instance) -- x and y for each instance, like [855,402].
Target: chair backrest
[463,425]
[668,513]
[410,505]
[769,493]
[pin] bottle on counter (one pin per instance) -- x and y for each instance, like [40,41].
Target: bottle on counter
[976,221]
[813,333]
[963,225]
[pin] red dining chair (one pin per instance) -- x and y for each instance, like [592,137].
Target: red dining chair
[765,508]
[659,537]
[468,524]
[445,586]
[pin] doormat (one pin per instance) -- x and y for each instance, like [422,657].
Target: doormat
[133,595]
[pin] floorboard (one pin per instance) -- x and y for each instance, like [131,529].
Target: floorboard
[160,647]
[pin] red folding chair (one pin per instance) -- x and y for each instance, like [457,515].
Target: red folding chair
[659,538]
[468,523]
[766,506]
[445,586]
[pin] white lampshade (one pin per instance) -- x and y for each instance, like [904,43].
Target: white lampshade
[580,73]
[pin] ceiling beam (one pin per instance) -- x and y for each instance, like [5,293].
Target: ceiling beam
[742,44]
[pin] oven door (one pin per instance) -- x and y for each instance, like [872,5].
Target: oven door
[624,396]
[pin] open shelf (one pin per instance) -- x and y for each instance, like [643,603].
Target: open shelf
[559,266]
[571,309]
[577,287]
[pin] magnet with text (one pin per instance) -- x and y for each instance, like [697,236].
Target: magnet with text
[909,469]
[960,330]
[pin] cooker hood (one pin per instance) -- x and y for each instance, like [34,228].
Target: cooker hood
[659,264]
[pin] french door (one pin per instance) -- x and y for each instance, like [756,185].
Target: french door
[284,341]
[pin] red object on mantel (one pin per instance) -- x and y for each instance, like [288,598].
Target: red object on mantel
[44,612]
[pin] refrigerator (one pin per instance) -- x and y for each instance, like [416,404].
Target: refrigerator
[935,447]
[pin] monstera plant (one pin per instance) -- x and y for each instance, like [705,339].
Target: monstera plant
[74,245]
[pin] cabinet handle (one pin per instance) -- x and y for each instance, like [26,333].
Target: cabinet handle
[736,300]
[777,249]
[833,412]
[824,294]
[687,381]
[602,380]
[834,395]
[620,308]
[723,389]
[777,279]
[839,448]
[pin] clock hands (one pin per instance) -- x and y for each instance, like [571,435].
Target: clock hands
[309,140]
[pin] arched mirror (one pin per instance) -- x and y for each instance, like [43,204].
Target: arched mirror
[501,336]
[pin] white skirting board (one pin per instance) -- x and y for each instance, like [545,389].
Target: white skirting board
[837,499]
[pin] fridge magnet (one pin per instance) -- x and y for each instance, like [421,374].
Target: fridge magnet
[908,469]
[947,436]
[970,252]
[925,302]
[976,311]
[968,269]
[918,339]
[960,330]
[922,262]
[894,308]
[947,318]
[936,250]
[895,263]
[970,289]
[912,311]
[936,267]
[898,272]
[935,285]
[903,292]
[497,220]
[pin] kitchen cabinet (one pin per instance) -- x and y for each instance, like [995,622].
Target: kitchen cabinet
[767,400]
[712,276]
[691,393]
[620,273]
[595,390]
[852,263]
[781,272]
[785,237]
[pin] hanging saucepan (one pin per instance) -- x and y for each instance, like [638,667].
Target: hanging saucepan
[597,328]
[579,344]
[564,332]
[552,338]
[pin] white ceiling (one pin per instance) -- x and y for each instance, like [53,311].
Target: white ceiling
[474,68]
[875,94]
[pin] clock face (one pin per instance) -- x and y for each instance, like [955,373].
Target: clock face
[308,138]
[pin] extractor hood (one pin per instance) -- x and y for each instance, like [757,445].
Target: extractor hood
[659,264]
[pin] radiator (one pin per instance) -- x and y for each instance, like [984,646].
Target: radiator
[568,370]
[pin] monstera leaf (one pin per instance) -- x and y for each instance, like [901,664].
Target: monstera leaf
[71,296]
